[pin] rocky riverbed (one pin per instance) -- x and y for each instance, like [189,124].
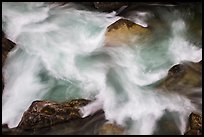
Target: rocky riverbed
[50,117]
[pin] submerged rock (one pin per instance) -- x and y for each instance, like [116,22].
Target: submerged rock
[125,32]
[194,125]
[46,113]
[111,129]
[167,124]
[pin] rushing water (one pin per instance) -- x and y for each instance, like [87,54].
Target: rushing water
[60,55]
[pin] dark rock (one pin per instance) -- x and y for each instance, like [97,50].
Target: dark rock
[46,113]
[52,118]
[3,35]
[183,76]
[87,126]
[194,125]
[193,132]
[200,62]
[111,129]
[6,47]
[88,4]
[195,121]
[167,124]
[109,6]
[5,128]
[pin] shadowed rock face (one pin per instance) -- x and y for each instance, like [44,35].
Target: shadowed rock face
[185,79]
[46,113]
[183,76]
[167,124]
[124,32]
[86,126]
[6,47]
[194,125]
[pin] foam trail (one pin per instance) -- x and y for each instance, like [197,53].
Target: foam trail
[47,46]
[60,55]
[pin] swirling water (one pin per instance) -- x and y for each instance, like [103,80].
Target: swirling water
[60,55]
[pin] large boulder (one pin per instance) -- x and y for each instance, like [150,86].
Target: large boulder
[46,113]
[186,75]
[194,125]
[53,118]
[125,32]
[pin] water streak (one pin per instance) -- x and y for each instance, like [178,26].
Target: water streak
[60,55]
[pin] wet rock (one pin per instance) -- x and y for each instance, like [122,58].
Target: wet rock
[46,113]
[194,125]
[182,76]
[89,125]
[200,62]
[88,4]
[52,118]
[193,132]
[195,121]
[125,32]
[111,129]
[6,47]
[5,129]
[109,6]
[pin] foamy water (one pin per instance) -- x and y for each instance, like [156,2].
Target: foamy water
[60,55]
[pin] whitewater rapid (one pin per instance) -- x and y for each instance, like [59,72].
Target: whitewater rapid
[60,55]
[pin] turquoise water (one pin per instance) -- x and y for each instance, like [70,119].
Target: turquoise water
[60,55]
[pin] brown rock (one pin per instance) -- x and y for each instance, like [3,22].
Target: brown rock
[193,132]
[194,124]
[195,121]
[111,129]
[6,47]
[125,32]
[183,76]
[46,113]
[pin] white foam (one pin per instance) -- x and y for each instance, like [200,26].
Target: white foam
[66,45]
